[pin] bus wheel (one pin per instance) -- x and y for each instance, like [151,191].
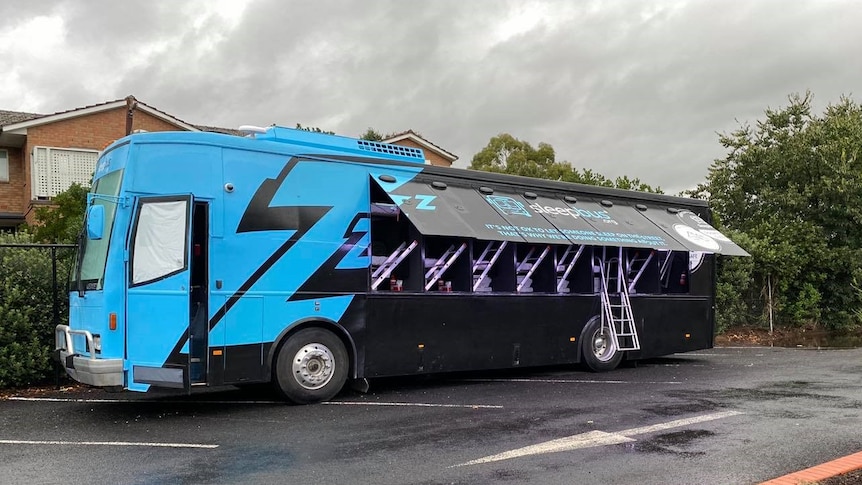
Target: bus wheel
[598,347]
[311,366]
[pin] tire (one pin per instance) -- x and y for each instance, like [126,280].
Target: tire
[598,349]
[311,366]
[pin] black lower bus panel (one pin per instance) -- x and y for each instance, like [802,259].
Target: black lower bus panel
[424,333]
[671,324]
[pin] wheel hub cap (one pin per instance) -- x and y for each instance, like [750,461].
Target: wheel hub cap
[603,348]
[313,366]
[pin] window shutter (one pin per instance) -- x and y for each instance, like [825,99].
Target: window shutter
[56,169]
[4,166]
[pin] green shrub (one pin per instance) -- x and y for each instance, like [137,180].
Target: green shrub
[26,310]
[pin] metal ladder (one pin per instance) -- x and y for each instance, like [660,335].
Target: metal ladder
[435,272]
[617,314]
[482,266]
[382,273]
[534,264]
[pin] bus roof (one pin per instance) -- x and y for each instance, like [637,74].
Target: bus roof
[306,143]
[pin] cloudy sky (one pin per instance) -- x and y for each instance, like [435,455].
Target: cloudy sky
[631,87]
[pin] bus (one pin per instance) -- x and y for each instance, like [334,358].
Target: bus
[309,260]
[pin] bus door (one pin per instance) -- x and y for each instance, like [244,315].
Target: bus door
[166,300]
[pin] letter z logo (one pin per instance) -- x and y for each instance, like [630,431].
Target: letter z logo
[423,201]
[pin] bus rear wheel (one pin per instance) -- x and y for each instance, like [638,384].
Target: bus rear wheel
[598,348]
[311,366]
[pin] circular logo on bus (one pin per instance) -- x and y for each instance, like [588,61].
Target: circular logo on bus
[715,235]
[694,236]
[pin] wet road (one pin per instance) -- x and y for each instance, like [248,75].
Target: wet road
[723,416]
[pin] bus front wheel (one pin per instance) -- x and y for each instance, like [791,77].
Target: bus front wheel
[311,366]
[598,348]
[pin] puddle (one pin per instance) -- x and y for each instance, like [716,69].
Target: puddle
[700,406]
[676,443]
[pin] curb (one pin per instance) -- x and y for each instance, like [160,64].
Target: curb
[820,472]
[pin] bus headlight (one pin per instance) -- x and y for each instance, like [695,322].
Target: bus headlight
[97,343]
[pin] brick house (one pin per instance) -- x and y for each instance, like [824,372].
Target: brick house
[42,155]
[435,154]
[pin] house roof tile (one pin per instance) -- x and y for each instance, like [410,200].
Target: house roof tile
[9,117]
[14,117]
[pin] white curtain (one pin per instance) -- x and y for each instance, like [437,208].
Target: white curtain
[160,240]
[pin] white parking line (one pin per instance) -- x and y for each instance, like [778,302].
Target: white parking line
[109,443]
[71,399]
[413,404]
[341,403]
[61,399]
[571,381]
[594,438]
[677,423]
[584,440]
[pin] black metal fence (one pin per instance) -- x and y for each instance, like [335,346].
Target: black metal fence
[60,298]
[36,275]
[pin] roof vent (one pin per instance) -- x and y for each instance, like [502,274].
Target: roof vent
[373,146]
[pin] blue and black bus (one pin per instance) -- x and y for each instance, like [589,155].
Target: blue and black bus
[307,260]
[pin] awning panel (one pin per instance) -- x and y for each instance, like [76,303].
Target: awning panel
[617,224]
[525,218]
[451,211]
[443,209]
[565,219]
[692,231]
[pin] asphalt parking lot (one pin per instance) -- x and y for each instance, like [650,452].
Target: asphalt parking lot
[722,416]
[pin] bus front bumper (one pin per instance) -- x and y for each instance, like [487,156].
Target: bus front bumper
[82,368]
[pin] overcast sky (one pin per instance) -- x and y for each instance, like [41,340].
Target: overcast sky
[631,87]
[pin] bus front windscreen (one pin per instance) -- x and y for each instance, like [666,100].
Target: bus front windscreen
[93,253]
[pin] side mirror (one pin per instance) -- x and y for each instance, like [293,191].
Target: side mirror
[95,221]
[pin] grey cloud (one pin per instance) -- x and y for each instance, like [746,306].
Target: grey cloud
[625,88]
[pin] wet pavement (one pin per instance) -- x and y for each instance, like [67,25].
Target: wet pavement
[722,416]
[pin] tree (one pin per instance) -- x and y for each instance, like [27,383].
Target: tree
[61,222]
[507,154]
[313,129]
[372,135]
[793,185]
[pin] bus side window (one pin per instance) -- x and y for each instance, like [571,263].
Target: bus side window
[394,249]
[574,269]
[642,270]
[446,264]
[674,272]
[160,238]
[535,268]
